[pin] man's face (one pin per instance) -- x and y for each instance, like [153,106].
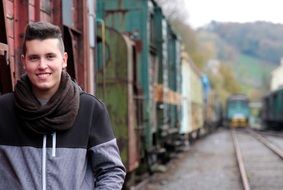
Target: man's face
[43,63]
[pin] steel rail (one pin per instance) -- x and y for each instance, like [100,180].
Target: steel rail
[267,143]
[240,162]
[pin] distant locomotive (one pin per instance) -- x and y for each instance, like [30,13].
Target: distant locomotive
[272,110]
[237,111]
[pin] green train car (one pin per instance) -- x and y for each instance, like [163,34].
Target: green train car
[237,111]
[138,77]
[272,110]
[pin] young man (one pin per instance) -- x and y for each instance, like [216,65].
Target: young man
[53,135]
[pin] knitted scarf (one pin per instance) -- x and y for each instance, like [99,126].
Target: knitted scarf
[58,114]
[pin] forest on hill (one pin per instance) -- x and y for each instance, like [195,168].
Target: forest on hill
[245,53]
[251,50]
[262,40]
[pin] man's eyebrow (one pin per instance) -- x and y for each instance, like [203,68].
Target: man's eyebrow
[32,55]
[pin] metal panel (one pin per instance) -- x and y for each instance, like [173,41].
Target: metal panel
[186,121]
[115,87]
[196,98]
[144,22]
[132,17]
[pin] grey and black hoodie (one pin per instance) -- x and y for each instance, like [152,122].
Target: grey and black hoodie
[83,157]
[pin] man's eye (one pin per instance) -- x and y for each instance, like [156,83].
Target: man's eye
[33,58]
[50,57]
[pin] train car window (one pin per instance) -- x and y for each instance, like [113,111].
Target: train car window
[102,58]
[67,13]
[152,30]
[46,6]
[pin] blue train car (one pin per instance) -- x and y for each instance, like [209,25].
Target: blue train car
[213,109]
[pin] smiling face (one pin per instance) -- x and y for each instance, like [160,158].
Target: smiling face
[43,63]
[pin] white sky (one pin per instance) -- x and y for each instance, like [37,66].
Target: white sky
[201,12]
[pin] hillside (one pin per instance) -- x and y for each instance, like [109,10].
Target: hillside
[263,40]
[253,75]
[252,50]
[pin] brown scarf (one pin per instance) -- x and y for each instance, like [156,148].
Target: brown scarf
[58,114]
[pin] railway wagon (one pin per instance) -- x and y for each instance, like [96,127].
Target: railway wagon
[255,116]
[77,21]
[138,79]
[237,111]
[272,110]
[202,110]
[192,120]
[117,86]
[213,109]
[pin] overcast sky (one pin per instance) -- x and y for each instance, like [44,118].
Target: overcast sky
[202,12]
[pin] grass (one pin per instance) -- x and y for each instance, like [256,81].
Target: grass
[253,74]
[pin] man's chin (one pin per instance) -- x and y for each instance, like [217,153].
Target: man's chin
[43,88]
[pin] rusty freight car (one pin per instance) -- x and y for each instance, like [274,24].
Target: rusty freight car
[151,77]
[77,21]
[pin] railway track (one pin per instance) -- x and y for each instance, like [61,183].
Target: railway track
[270,133]
[260,161]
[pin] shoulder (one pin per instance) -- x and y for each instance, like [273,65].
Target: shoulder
[7,102]
[6,99]
[89,100]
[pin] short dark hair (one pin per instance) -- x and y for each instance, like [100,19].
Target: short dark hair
[42,31]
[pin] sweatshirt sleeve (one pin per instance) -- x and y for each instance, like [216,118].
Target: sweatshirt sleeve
[104,154]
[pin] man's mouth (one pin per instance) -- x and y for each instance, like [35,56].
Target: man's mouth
[43,75]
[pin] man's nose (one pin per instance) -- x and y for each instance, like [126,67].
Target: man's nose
[42,63]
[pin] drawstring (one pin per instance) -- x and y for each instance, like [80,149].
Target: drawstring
[44,157]
[44,163]
[54,144]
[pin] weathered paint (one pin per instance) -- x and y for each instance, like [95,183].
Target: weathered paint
[132,17]
[192,103]
[158,64]
[115,86]
[174,72]
[186,121]
[167,91]
[197,99]
[164,95]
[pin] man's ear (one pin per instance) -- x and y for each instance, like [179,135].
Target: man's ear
[65,58]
